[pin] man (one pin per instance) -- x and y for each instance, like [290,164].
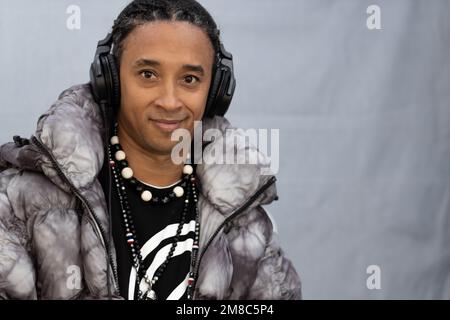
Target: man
[93,205]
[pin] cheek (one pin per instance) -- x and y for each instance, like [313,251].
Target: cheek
[133,98]
[198,112]
[129,88]
[199,104]
[196,108]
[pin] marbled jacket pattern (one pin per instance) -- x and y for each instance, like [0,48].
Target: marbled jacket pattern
[54,224]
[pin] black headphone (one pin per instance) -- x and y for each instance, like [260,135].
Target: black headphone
[105,81]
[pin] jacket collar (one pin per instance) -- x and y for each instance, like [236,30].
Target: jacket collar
[72,130]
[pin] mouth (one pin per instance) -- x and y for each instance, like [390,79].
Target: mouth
[166,125]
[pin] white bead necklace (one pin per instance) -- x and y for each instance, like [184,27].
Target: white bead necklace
[146,195]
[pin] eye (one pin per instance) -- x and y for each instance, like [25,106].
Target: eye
[191,79]
[146,74]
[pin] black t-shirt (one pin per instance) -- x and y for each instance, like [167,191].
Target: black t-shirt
[156,226]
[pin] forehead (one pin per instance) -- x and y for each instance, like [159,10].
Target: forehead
[171,42]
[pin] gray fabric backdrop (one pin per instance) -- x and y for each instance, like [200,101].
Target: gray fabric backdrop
[364,119]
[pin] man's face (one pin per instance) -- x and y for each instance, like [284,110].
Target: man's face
[165,75]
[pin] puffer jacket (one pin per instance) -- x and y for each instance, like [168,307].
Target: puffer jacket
[54,223]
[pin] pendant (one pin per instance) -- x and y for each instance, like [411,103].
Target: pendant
[150,295]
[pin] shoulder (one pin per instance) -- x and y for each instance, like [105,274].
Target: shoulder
[26,192]
[77,93]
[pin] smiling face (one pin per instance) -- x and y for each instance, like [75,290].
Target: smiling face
[165,75]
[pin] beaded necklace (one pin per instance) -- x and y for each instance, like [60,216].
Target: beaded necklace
[122,174]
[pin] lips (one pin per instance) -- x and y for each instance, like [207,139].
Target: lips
[166,125]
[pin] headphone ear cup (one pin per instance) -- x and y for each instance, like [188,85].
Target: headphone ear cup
[222,99]
[98,81]
[212,96]
[115,83]
[223,85]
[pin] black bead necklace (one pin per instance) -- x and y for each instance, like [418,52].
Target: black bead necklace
[121,173]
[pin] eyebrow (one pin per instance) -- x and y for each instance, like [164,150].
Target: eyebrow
[153,63]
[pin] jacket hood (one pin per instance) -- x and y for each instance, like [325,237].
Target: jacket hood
[71,132]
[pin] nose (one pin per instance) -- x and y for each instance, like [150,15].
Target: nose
[168,98]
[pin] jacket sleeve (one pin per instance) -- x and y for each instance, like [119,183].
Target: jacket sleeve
[17,276]
[276,277]
[261,271]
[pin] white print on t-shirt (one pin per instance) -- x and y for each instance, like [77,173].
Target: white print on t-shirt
[150,245]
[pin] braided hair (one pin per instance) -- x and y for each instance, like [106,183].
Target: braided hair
[140,12]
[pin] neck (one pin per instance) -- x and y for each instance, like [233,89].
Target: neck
[155,169]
